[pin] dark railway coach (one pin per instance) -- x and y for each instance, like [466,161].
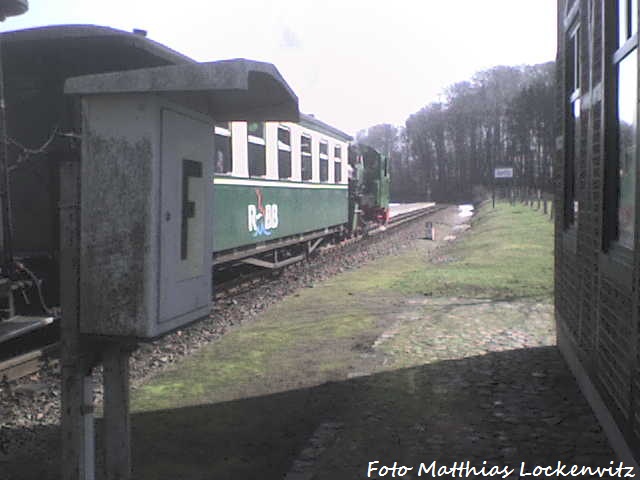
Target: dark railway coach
[597,244]
[37,62]
[42,126]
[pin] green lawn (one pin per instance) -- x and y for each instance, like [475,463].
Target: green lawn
[508,254]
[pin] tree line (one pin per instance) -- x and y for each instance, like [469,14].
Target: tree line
[502,117]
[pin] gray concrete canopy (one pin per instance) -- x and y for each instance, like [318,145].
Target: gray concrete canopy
[226,90]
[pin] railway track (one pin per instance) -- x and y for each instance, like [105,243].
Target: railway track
[29,363]
[246,281]
[31,360]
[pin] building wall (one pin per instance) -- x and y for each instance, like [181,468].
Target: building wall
[595,289]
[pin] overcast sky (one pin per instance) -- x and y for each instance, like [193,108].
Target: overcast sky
[352,63]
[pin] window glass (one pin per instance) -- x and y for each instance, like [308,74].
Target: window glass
[576,60]
[256,149]
[256,129]
[634,18]
[284,153]
[223,161]
[257,160]
[324,161]
[623,32]
[305,144]
[575,131]
[284,135]
[305,154]
[337,166]
[627,128]
[324,170]
[284,164]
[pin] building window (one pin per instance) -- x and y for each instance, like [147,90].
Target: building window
[572,127]
[256,149]
[284,152]
[305,155]
[337,164]
[324,161]
[627,20]
[620,200]
[222,146]
[626,123]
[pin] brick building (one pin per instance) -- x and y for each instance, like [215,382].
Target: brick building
[597,255]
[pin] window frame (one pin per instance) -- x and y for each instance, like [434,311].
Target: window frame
[616,259]
[616,53]
[572,122]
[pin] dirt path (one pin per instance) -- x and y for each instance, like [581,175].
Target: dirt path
[361,369]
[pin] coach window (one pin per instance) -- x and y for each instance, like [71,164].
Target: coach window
[337,164]
[256,149]
[305,155]
[222,146]
[621,179]
[284,152]
[324,161]
[572,126]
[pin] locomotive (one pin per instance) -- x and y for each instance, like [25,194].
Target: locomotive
[280,188]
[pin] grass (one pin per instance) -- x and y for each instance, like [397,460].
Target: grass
[506,255]
[250,359]
[509,254]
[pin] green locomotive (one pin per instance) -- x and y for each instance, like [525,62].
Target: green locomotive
[369,187]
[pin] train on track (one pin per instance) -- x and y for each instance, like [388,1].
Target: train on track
[280,188]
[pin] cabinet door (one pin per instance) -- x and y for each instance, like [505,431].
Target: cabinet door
[185,217]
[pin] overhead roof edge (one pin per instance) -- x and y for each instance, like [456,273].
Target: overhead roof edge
[237,89]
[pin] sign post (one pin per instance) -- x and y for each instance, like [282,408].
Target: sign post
[501,172]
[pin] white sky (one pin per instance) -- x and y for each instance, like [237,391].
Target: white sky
[352,63]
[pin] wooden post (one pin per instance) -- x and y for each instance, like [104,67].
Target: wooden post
[117,430]
[78,448]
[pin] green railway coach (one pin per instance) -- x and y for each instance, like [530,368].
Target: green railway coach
[276,181]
